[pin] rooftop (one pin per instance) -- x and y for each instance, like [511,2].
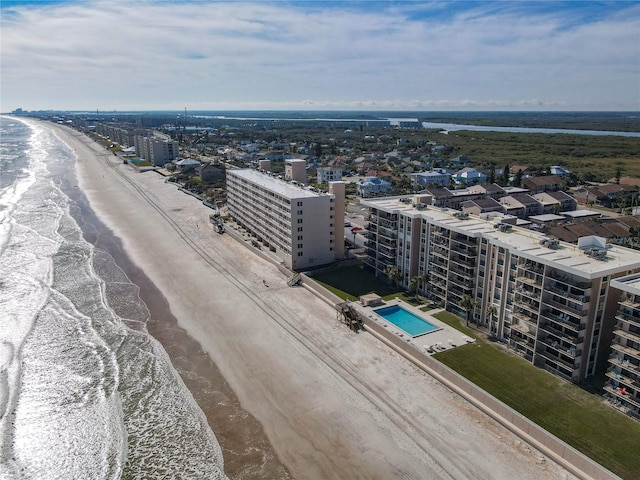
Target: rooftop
[526,243]
[275,184]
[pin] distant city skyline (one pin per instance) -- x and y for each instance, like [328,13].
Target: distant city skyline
[319,55]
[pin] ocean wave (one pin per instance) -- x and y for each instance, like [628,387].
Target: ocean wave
[85,396]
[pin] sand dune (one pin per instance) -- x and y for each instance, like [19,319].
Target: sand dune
[334,404]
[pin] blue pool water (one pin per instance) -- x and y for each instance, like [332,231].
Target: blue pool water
[406,321]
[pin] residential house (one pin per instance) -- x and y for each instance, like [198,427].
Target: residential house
[490,190]
[481,205]
[469,176]
[211,172]
[554,202]
[438,176]
[547,183]
[520,205]
[373,187]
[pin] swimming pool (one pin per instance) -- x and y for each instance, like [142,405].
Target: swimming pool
[406,321]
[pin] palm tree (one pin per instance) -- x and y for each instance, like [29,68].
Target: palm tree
[393,273]
[468,303]
[491,312]
[413,283]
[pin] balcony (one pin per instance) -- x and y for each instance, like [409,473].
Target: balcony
[624,364]
[527,331]
[627,397]
[566,294]
[630,302]
[525,302]
[619,377]
[569,280]
[548,328]
[577,311]
[629,351]
[625,317]
[552,356]
[564,320]
[560,348]
[525,318]
[629,335]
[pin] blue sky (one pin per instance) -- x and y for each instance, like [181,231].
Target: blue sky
[324,55]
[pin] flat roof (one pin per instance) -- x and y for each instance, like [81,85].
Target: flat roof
[548,217]
[630,283]
[581,213]
[282,187]
[523,241]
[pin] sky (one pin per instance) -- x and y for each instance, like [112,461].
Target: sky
[319,55]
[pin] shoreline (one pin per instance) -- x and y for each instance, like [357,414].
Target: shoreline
[332,403]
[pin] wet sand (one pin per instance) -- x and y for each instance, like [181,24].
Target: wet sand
[333,404]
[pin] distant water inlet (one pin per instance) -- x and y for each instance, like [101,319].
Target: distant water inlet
[406,321]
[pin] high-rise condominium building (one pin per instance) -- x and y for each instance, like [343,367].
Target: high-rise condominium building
[623,381]
[301,225]
[552,303]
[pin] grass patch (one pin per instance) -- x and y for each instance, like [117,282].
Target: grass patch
[350,283]
[455,322]
[565,410]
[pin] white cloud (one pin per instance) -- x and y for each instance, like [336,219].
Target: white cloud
[147,55]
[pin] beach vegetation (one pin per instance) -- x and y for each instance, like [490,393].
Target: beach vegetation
[569,412]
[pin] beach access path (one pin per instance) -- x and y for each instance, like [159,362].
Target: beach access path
[334,404]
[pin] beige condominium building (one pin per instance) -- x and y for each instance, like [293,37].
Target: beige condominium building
[301,225]
[623,382]
[551,302]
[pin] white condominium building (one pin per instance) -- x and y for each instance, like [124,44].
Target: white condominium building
[302,226]
[623,381]
[549,301]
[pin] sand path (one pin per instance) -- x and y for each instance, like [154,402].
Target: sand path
[335,405]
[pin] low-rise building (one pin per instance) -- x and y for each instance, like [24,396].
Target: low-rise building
[439,177]
[329,174]
[373,187]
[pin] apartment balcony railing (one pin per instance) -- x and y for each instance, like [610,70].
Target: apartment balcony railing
[548,328]
[465,262]
[561,349]
[630,302]
[626,396]
[578,310]
[558,372]
[620,377]
[632,352]
[563,320]
[523,301]
[566,294]
[536,281]
[625,334]
[524,330]
[625,317]
[616,359]
[552,355]
[568,280]
[526,318]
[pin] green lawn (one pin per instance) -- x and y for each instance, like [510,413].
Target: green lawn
[351,282]
[570,413]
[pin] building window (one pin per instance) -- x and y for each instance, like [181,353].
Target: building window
[299,220]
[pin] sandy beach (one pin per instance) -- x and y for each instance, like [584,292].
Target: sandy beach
[333,404]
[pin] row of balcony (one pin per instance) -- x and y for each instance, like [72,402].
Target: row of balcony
[563,320]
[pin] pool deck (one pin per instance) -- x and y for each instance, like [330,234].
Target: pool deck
[444,338]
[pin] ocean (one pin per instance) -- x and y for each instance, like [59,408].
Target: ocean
[85,391]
